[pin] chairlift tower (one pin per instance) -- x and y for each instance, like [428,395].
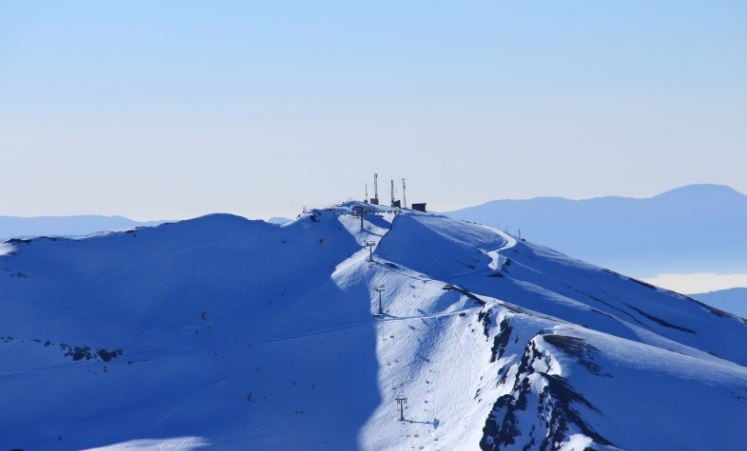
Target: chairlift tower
[401,401]
[380,289]
[359,211]
[370,245]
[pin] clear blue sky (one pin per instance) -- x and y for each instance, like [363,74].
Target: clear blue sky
[172,109]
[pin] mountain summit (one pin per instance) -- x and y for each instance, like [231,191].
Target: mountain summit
[390,330]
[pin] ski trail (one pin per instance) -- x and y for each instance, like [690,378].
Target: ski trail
[496,260]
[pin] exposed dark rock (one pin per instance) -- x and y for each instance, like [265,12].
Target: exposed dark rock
[556,407]
[500,341]
[19,241]
[661,321]
[485,318]
[642,283]
[499,430]
[582,352]
[108,355]
[465,292]
[85,352]
[561,397]
[79,353]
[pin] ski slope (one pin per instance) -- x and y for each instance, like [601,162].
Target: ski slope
[225,333]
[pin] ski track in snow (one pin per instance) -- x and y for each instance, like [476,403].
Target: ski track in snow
[495,255]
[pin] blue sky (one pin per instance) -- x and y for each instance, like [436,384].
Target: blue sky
[175,108]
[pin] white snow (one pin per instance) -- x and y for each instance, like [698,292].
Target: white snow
[170,444]
[6,248]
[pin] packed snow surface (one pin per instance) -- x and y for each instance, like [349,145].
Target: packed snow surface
[225,333]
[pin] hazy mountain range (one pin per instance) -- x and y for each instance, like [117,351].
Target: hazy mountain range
[696,228]
[733,300]
[79,225]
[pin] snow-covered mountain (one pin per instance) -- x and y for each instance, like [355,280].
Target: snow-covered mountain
[225,333]
[660,234]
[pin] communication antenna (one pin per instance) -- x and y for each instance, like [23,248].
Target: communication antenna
[404,197]
[391,190]
[376,188]
[401,401]
[380,290]
[366,198]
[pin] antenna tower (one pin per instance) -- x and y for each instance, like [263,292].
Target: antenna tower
[376,188]
[404,197]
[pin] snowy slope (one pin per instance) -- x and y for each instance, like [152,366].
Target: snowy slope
[225,333]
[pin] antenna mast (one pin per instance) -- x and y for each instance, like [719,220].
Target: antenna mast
[376,189]
[365,199]
[404,197]
[391,190]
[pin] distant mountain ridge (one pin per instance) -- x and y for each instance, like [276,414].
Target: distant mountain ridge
[733,300]
[78,225]
[688,229]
